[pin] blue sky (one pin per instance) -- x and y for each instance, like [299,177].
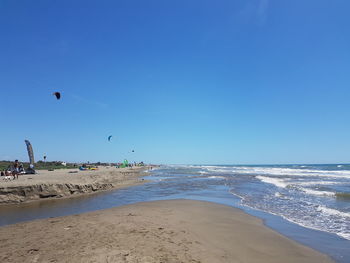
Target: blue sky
[206,82]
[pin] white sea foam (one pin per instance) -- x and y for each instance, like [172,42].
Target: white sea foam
[315,192]
[331,211]
[276,171]
[278,194]
[315,183]
[216,177]
[275,181]
[219,170]
[343,234]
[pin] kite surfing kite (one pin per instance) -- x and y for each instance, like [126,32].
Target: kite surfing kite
[57,94]
[109,138]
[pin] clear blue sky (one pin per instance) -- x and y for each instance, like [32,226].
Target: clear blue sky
[206,82]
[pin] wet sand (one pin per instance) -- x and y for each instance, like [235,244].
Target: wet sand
[67,183]
[161,231]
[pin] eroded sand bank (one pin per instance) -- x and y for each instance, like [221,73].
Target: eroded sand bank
[67,183]
[161,231]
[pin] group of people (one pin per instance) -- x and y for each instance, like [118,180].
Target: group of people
[13,170]
[127,164]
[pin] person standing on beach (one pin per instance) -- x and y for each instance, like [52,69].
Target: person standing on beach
[15,171]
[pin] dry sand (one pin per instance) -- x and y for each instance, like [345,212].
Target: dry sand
[162,231]
[66,183]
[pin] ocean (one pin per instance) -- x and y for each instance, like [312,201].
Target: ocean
[313,196]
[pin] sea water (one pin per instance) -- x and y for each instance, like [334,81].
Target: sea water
[313,196]
[308,203]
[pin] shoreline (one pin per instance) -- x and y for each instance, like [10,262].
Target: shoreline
[67,183]
[158,231]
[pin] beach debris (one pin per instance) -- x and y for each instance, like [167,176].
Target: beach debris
[57,94]
[32,250]
[131,214]
[109,138]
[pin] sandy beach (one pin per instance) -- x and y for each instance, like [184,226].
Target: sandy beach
[161,231]
[67,183]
